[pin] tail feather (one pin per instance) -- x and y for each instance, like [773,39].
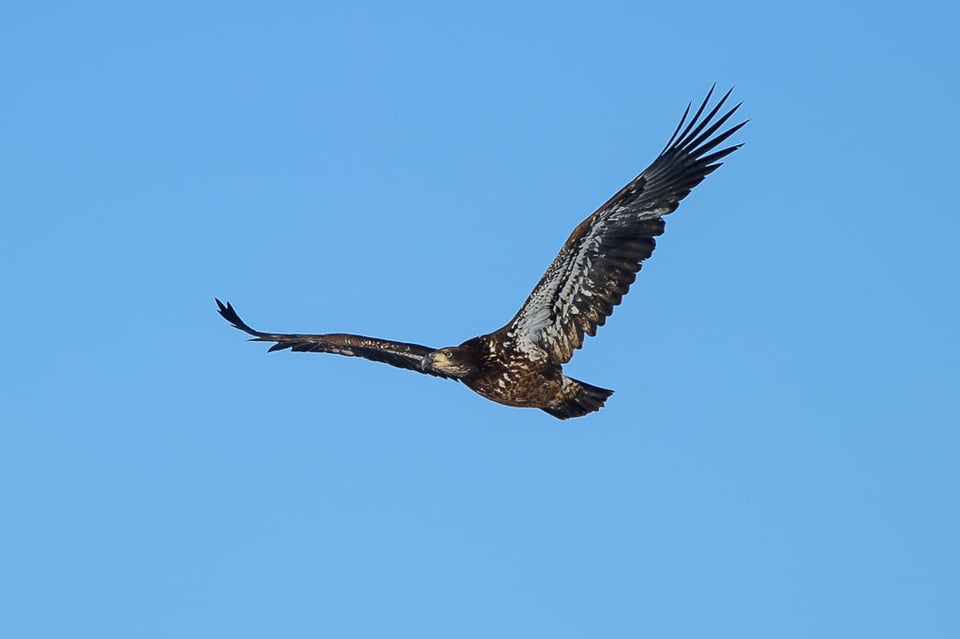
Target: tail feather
[579,399]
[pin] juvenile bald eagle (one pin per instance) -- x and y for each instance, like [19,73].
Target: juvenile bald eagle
[521,364]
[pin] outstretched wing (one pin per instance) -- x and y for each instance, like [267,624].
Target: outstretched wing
[398,354]
[600,260]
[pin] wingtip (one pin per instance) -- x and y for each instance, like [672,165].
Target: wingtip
[226,310]
[230,314]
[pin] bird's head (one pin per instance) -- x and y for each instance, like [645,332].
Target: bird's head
[452,360]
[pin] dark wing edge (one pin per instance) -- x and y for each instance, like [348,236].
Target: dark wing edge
[399,354]
[601,258]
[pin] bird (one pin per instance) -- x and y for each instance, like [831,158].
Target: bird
[521,363]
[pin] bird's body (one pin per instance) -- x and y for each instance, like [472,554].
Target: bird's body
[499,370]
[521,364]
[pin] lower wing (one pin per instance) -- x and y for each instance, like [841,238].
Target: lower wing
[402,355]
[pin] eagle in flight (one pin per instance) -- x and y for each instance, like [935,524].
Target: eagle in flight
[521,364]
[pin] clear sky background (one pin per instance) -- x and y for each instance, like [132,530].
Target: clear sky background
[780,458]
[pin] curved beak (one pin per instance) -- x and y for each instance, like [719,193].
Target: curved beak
[437,362]
[427,362]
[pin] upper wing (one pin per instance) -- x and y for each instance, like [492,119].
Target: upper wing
[407,356]
[600,260]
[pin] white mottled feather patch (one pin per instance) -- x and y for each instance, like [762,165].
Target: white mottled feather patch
[539,322]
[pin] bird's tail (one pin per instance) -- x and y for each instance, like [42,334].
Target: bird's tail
[579,399]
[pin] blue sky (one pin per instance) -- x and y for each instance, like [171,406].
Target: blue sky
[779,460]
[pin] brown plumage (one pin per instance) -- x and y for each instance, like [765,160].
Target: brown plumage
[521,364]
